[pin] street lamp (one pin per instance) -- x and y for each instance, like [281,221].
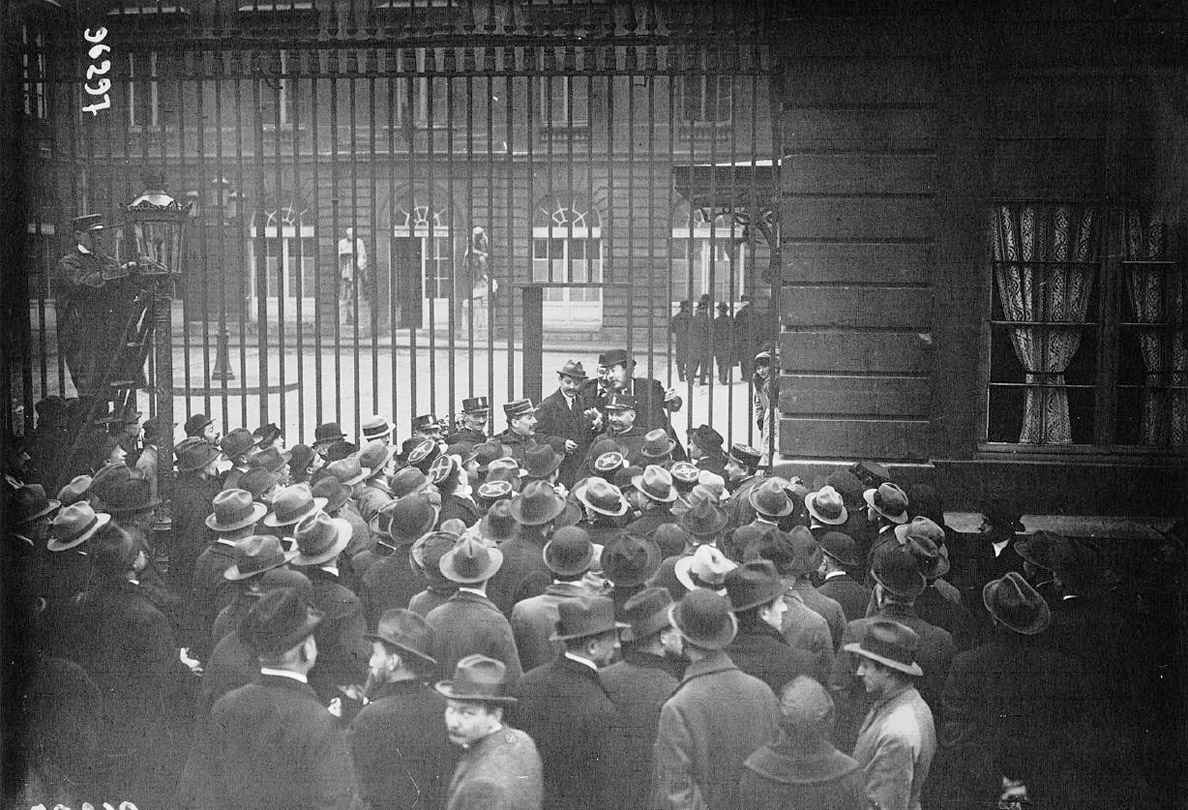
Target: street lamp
[224,208]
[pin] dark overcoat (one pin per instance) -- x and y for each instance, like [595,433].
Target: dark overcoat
[782,777]
[502,771]
[829,608]
[534,620]
[522,574]
[210,594]
[430,598]
[192,495]
[469,623]
[761,651]
[454,506]
[851,594]
[389,582]
[555,418]
[342,651]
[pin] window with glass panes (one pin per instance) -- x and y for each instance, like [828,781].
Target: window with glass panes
[567,249]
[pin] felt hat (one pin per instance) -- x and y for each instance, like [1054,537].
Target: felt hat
[292,504]
[74,525]
[1001,513]
[470,561]
[375,455]
[279,622]
[129,496]
[601,496]
[426,553]
[330,490]
[848,484]
[827,506]
[478,678]
[29,503]
[374,427]
[619,402]
[568,552]
[704,519]
[542,461]
[75,491]
[234,509]
[629,559]
[572,369]
[407,631]
[476,405]
[754,583]
[896,569]
[1039,549]
[517,408]
[328,433]
[339,450]
[348,470]
[87,223]
[871,474]
[267,434]
[274,578]
[320,538]
[270,458]
[706,438]
[585,616]
[656,483]
[486,452]
[672,539]
[656,444]
[1016,605]
[770,499]
[706,568]
[195,456]
[924,539]
[614,357]
[410,517]
[840,547]
[712,483]
[890,644]
[255,555]
[889,501]
[499,524]
[609,462]
[424,454]
[805,551]
[237,442]
[537,505]
[300,458]
[704,619]
[745,455]
[196,423]
[108,476]
[505,468]
[646,613]
[407,480]
[258,481]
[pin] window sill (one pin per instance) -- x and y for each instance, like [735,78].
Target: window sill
[1078,453]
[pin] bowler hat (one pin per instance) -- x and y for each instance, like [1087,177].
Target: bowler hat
[320,538]
[237,442]
[537,505]
[279,622]
[130,496]
[348,470]
[629,559]
[568,552]
[770,499]
[255,555]
[889,501]
[827,506]
[754,583]
[1040,549]
[74,525]
[839,546]
[585,616]
[270,458]
[572,369]
[706,438]
[410,517]
[706,568]
[656,444]
[291,504]
[196,423]
[407,480]
[87,223]
[424,454]
[475,405]
[619,402]
[745,455]
[924,539]
[499,524]
[517,408]
[614,357]
[601,496]
[478,678]
[375,427]
[890,644]
[704,619]
[541,461]
[704,519]
[1016,605]
[75,491]
[646,613]
[407,631]
[234,509]
[609,462]
[328,433]
[30,503]
[470,561]
[195,456]
[375,455]
[330,490]
[656,483]
[896,569]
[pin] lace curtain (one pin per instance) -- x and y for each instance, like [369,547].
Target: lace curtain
[1156,293]
[1043,272]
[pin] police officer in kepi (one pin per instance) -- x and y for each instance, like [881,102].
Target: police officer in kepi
[473,427]
[95,298]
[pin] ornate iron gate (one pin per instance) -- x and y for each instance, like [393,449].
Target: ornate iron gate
[374,181]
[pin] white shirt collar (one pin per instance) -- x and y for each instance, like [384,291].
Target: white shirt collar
[330,568]
[83,250]
[473,590]
[581,660]
[999,546]
[284,673]
[226,542]
[834,575]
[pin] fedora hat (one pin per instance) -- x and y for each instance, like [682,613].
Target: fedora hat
[196,423]
[255,555]
[538,504]
[426,553]
[279,622]
[609,462]
[601,496]
[704,519]
[270,458]
[1016,605]
[805,551]
[486,452]
[328,433]
[424,454]
[409,517]
[656,444]
[499,524]
[1041,549]
[74,525]
[275,578]
[348,470]
[505,468]
[237,442]
[407,631]
[75,491]
[890,644]
[706,438]
[840,546]
[672,539]
[291,504]
[848,485]
[541,461]
[770,499]
[339,450]
[713,483]
[330,489]
[375,427]
[889,501]
[896,569]
[258,481]
[745,455]
[584,616]
[517,408]
[656,483]
[619,402]
[706,568]
[684,473]
[754,583]
[300,458]
[826,506]
[470,562]
[267,434]
[572,369]
[29,503]
[134,494]
[195,456]
[569,552]
[478,678]
[704,619]
[375,455]
[320,538]
[407,480]
[476,405]
[108,476]
[629,559]
[924,539]
[234,509]
[646,613]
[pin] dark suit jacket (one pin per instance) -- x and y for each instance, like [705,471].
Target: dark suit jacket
[271,744]
[430,598]
[554,418]
[565,710]
[191,504]
[402,755]
[651,411]
[455,506]
[782,776]
[829,609]
[534,620]
[211,593]
[1089,630]
[523,573]
[852,595]
[469,623]
[761,651]
[232,664]
[389,582]
[342,651]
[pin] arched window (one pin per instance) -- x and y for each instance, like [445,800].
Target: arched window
[422,257]
[567,249]
[713,252]
[283,237]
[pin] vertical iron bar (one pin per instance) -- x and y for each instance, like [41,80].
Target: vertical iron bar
[242,65]
[609,269]
[203,224]
[776,277]
[452,319]
[352,107]
[392,84]
[409,126]
[430,75]
[334,230]
[372,253]
[282,259]
[262,247]
[754,214]
[470,68]
[318,304]
[711,126]
[530,201]
[489,69]
[295,94]
[734,250]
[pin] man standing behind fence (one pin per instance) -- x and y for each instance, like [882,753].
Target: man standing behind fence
[352,265]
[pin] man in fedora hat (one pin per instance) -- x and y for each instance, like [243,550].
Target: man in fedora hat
[193,492]
[659,493]
[326,434]
[826,509]
[940,603]
[236,446]
[604,508]
[565,413]
[425,556]
[500,767]
[656,448]
[524,573]
[342,656]
[469,622]
[565,710]
[801,767]
[681,325]
[272,743]
[838,558]
[989,553]
[390,581]
[472,430]
[402,755]
[886,508]
[568,555]
[802,561]
[65,571]
[717,716]
[897,740]
[373,493]
[255,556]
[756,595]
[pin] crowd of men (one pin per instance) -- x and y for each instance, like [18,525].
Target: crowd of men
[576,612]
